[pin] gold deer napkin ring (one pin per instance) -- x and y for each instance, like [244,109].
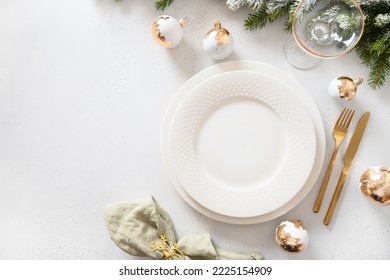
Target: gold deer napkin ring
[169,252]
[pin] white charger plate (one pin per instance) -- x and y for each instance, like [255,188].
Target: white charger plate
[241,144]
[257,67]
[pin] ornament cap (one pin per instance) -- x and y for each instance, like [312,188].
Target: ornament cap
[358,81]
[183,21]
[298,223]
[217,25]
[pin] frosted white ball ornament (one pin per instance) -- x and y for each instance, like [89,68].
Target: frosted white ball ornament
[168,31]
[218,43]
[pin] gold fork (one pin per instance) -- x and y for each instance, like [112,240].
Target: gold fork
[339,132]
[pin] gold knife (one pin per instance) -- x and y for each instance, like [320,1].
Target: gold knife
[348,158]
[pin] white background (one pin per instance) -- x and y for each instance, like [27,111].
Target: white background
[83,91]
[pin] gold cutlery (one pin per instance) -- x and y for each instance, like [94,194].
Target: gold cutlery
[339,132]
[348,158]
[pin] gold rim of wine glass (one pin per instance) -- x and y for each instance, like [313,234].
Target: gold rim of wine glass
[326,56]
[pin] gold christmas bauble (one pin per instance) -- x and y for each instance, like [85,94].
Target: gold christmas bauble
[218,43]
[168,31]
[375,185]
[291,236]
[344,87]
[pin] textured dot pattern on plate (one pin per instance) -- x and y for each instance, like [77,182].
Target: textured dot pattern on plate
[269,190]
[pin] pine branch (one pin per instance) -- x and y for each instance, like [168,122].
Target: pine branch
[290,19]
[255,5]
[160,5]
[270,12]
[256,21]
[278,9]
[374,46]
[374,6]
[234,5]
[363,51]
[382,20]
[379,46]
[379,71]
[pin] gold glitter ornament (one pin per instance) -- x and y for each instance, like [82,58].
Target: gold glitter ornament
[344,87]
[291,236]
[218,43]
[168,31]
[375,185]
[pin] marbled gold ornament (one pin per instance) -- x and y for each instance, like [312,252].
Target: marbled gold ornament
[168,31]
[375,185]
[344,87]
[291,236]
[218,43]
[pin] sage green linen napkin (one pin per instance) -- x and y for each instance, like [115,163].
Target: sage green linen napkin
[145,229]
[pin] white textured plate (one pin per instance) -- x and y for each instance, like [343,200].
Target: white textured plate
[241,144]
[300,92]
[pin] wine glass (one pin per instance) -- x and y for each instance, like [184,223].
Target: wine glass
[323,29]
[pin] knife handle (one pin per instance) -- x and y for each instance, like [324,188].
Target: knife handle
[336,196]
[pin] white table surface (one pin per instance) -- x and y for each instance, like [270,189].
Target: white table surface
[83,91]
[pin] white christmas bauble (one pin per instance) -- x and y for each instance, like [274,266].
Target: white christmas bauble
[292,237]
[333,89]
[344,88]
[167,31]
[218,43]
